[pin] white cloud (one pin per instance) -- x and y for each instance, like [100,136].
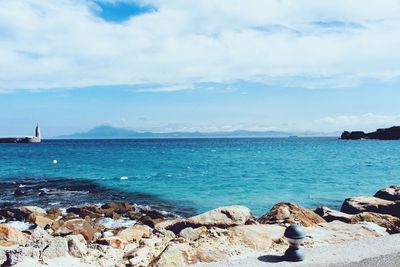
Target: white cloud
[364,122]
[51,44]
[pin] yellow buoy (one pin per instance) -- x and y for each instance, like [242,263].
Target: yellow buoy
[54,161]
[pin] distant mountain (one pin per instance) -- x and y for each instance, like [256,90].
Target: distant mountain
[108,132]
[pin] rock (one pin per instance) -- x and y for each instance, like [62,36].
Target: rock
[77,246]
[77,226]
[20,193]
[135,233]
[147,220]
[43,221]
[189,234]
[154,214]
[58,247]
[134,215]
[70,216]
[53,213]
[10,236]
[32,209]
[102,255]
[330,215]
[107,233]
[291,213]
[355,135]
[113,241]
[389,222]
[202,230]
[221,217]
[13,214]
[85,211]
[391,193]
[255,236]
[20,254]
[39,239]
[182,255]
[338,232]
[224,217]
[392,133]
[140,257]
[360,204]
[3,257]
[118,207]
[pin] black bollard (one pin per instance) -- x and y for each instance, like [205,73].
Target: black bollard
[295,235]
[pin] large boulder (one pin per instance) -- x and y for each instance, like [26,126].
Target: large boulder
[76,226]
[339,232]
[389,222]
[58,247]
[118,207]
[286,212]
[113,241]
[221,217]
[39,239]
[391,193]
[258,237]
[10,236]
[43,221]
[183,254]
[330,215]
[135,233]
[360,204]
[77,246]
[3,257]
[20,255]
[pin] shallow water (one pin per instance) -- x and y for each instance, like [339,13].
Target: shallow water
[194,175]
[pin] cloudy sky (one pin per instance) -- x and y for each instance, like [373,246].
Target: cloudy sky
[208,65]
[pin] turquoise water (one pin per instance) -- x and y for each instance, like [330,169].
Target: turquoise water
[201,174]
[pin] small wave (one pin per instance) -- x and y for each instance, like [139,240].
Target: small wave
[124,178]
[114,224]
[21,226]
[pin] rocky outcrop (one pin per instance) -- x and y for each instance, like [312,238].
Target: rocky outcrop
[330,215]
[355,135]
[221,218]
[360,204]
[11,236]
[392,133]
[338,232]
[58,247]
[77,226]
[391,193]
[389,222]
[135,233]
[290,213]
[77,246]
[107,237]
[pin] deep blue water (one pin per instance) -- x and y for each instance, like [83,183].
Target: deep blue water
[200,174]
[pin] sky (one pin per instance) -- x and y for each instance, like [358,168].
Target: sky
[198,65]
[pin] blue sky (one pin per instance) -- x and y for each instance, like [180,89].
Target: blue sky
[198,65]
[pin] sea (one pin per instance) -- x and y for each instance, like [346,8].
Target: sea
[189,176]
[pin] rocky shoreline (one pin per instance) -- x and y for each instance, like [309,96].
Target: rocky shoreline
[124,234]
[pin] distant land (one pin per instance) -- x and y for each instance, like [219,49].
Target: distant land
[109,132]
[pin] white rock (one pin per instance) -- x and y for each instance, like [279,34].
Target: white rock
[77,246]
[58,247]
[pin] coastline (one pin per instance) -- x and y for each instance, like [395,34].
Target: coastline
[127,234]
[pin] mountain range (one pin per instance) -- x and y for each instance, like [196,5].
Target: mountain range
[110,132]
